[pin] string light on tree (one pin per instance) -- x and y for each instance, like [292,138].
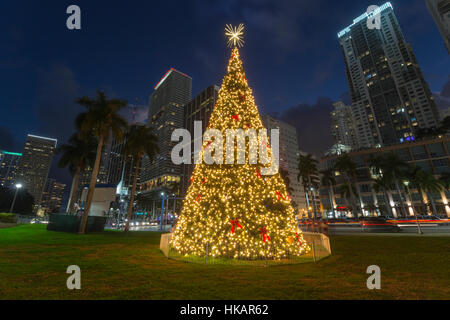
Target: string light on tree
[231,210]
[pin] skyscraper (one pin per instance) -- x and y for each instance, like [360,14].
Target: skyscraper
[9,163]
[166,113]
[121,170]
[198,109]
[102,176]
[390,98]
[52,196]
[35,164]
[440,11]
[343,125]
[289,155]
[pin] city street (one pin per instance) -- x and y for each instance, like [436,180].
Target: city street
[440,227]
[427,228]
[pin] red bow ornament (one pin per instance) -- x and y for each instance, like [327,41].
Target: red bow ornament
[298,238]
[279,195]
[235,223]
[263,232]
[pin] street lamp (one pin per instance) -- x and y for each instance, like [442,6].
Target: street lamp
[162,212]
[406,183]
[18,186]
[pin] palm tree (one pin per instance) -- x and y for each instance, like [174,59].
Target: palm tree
[307,167]
[410,176]
[382,184]
[329,181]
[77,154]
[426,182]
[346,191]
[394,169]
[445,178]
[347,167]
[139,141]
[102,120]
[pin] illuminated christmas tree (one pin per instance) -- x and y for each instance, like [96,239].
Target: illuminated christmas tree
[232,210]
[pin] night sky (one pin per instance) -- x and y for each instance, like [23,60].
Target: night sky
[292,58]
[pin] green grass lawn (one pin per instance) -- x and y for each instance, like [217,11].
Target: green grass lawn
[33,265]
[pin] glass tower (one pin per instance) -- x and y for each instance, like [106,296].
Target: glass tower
[390,98]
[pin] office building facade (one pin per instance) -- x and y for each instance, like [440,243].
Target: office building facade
[289,158]
[52,196]
[390,98]
[343,126]
[166,113]
[35,164]
[440,11]
[9,164]
[198,109]
[432,156]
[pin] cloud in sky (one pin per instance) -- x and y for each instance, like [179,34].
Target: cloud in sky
[140,113]
[56,108]
[281,21]
[7,141]
[442,98]
[446,89]
[313,124]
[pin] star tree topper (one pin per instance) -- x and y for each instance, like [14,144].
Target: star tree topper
[235,35]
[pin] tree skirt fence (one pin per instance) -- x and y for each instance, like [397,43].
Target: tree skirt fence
[319,248]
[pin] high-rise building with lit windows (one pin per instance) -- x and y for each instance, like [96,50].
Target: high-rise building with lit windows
[9,163]
[165,114]
[289,154]
[390,98]
[52,196]
[440,11]
[35,164]
[198,109]
[343,126]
